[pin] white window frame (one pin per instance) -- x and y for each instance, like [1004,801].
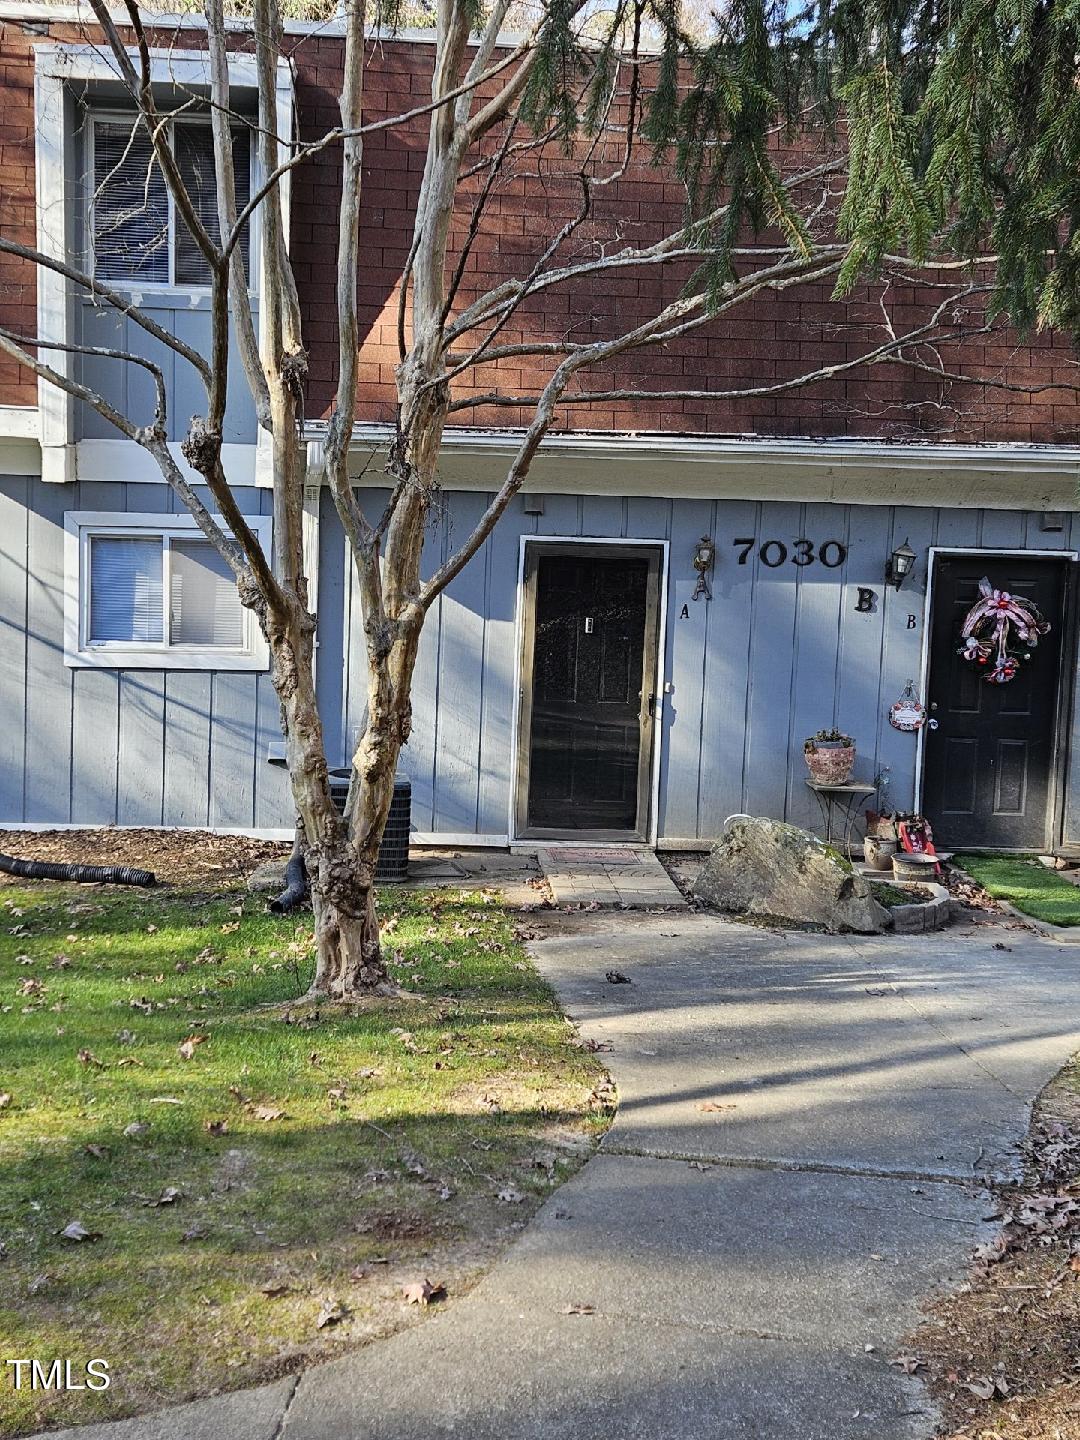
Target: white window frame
[82,526]
[113,115]
[61,70]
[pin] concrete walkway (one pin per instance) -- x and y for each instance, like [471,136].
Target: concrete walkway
[803,1132]
[609,877]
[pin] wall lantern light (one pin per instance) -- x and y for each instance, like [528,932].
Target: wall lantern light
[899,565]
[704,560]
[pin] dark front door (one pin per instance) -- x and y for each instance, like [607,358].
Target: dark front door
[589,689]
[989,764]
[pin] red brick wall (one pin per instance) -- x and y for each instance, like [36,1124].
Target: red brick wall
[768,340]
[18,292]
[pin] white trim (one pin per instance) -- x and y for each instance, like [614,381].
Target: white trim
[431,840]
[53,238]
[20,422]
[79,527]
[626,541]
[56,65]
[190,68]
[855,472]
[252,832]
[924,661]
[19,457]
[124,461]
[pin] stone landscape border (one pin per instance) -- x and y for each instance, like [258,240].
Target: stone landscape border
[922,915]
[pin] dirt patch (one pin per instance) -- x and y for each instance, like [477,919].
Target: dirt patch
[1002,1354]
[177,857]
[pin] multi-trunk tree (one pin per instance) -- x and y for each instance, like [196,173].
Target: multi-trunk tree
[841,144]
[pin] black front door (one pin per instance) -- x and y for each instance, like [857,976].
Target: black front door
[989,764]
[588,700]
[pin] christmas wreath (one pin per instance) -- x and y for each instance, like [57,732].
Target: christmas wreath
[1002,629]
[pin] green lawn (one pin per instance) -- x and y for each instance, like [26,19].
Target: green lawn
[298,1160]
[1027,884]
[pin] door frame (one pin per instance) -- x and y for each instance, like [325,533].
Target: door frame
[519,768]
[1055,803]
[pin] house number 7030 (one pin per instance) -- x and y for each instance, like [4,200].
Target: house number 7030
[772,553]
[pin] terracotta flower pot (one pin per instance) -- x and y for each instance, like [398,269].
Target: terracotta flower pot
[830,764]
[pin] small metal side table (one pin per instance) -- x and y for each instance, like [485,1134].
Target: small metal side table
[848,800]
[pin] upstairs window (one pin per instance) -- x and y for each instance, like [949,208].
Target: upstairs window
[137,235]
[151,591]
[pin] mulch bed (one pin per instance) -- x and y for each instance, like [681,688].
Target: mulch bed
[1002,1354]
[177,857]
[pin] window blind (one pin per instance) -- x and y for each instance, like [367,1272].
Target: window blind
[130,206]
[126,589]
[137,233]
[204,605]
[194,147]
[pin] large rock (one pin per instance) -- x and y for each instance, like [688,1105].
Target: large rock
[767,868]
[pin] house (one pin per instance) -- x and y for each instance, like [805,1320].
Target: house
[582,678]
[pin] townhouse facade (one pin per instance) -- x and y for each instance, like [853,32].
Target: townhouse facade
[682,592]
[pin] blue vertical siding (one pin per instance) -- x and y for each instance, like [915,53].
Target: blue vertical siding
[777,653]
[127,747]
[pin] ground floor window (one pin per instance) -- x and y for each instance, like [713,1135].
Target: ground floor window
[152,591]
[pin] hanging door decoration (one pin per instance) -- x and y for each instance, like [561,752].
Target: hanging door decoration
[907,713]
[1000,631]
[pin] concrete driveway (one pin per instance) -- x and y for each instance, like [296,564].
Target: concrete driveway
[804,1132]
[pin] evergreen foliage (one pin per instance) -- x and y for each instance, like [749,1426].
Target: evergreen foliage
[961,120]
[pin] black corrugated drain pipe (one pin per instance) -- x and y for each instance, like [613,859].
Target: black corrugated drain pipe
[84,874]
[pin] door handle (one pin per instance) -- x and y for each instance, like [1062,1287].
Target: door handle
[652,705]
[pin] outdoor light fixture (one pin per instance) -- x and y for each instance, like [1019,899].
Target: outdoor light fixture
[704,560]
[900,565]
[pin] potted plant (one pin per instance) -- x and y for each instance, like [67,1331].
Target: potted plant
[829,755]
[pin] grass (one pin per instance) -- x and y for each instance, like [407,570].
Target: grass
[1027,884]
[318,1157]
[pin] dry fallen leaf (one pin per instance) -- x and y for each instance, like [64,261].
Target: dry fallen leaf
[423,1292]
[75,1232]
[97,1151]
[267,1112]
[332,1313]
[87,1057]
[135,1129]
[187,1047]
[168,1196]
[986,1387]
[5,1099]
[216,1127]
[909,1364]
[510,1196]
[273,1288]
[575,1309]
[713,1105]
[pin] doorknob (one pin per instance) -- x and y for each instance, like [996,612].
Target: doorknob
[933,704]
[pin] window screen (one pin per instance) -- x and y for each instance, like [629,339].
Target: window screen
[204,606]
[126,589]
[130,206]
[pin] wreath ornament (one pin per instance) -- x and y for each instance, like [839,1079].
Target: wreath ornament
[1003,629]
